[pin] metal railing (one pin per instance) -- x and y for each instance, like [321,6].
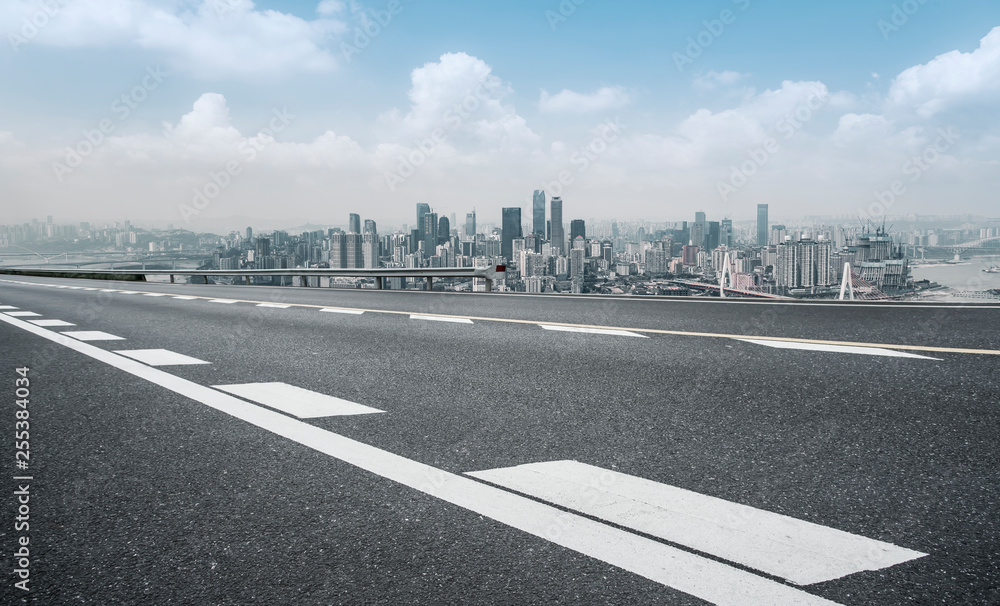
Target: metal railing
[489,273]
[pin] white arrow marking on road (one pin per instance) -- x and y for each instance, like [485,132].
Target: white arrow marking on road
[867,351]
[701,577]
[800,551]
[302,403]
[593,331]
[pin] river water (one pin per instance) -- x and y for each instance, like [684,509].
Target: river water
[968,275]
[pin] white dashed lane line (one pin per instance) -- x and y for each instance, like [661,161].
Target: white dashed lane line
[796,550]
[302,403]
[92,335]
[51,323]
[273,305]
[352,312]
[159,357]
[21,314]
[593,331]
[441,319]
[865,351]
[224,301]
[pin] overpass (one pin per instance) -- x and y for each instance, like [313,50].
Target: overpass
[230,444]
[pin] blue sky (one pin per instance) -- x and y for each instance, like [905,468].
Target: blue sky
[695,101]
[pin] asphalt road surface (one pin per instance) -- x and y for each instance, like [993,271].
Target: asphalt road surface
[240,445]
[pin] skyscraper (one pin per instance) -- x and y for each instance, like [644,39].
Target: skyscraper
[422,210]
[762,225]
[355,258]
[444,230]
[430,234]
[557,236]
[577,228]
[370,227]
[338,250]
[470,224]
[354,225]
[726,235]
[538,213]
[369,249]
[511,230]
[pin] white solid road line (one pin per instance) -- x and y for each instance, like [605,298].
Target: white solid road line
[867,351]
[274,305]
[353,312]
[51,323]
[799,551]
[701,577]
[92,335]
[159,357]
[21,314]
[302,403]
[593,331]
[441,319]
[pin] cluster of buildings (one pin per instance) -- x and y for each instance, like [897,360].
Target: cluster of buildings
[545,253]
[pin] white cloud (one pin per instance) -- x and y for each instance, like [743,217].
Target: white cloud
[460,95]
[950,79]
[330,7]
[209,39]
[571,102]
[714,79]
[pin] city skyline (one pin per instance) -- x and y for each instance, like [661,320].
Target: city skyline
[690,109]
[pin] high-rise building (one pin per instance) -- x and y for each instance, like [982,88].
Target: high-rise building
[538,213]
[369,250]
[511,230]
[444,230]
[726,233]
[576,263]
[804,264]
[470,224]
[577,229]
[338,250]
[422,210]
[557,236]
[430,234]
[370,227]
[355,258]
[713,236]
[762,230]
[355,224]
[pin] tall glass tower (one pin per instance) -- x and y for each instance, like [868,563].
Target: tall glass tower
[511,230]
[538,213]
[762,225]
[558,236]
